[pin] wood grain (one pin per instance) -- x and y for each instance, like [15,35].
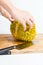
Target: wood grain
[34,46]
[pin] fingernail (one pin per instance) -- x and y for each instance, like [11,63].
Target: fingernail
[12,20]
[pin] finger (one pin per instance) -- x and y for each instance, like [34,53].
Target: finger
[24,24]
[29,23]
[31,19]
[6,14]
[11,19]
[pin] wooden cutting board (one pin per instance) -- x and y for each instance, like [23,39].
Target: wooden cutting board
[6,40]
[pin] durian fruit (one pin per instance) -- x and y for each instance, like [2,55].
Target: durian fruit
[18,32]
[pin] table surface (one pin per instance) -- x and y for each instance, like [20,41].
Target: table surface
[6,40]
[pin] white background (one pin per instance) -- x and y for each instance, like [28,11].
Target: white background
[22,59]
[33,6]
[36,8]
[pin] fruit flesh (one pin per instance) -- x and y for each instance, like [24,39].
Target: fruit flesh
[18,32]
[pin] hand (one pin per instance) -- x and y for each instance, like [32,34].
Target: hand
[23,17]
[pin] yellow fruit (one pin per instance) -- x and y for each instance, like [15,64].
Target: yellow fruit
[18,32]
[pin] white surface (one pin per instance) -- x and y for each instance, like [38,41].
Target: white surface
[22,59]
[33,6]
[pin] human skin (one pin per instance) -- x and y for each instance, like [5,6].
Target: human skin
[5,13]
[13,13]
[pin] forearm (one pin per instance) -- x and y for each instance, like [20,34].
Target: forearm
[8,6]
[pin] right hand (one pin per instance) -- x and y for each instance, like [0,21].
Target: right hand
[22,16]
